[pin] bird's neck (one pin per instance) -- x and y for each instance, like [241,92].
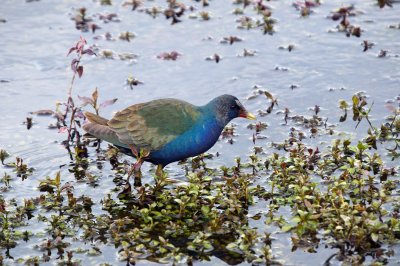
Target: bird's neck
[210,115]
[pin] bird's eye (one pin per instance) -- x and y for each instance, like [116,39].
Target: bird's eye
[233,107]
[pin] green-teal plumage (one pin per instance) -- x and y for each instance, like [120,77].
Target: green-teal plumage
[170,129]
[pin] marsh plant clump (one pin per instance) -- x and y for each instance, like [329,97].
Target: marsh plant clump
[342,196]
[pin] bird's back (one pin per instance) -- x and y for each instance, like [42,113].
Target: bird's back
[150,125]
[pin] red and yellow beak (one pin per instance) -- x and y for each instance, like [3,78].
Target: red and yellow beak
[243,113]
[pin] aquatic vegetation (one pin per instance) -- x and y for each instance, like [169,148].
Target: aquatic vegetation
[134,3]
[389,3]
[266,23]
[342,196]
[214,57]
[343,14]
[82,21]
[174,11]
[204,15]
[105,2]
[174,55]
[382,53]
[77,69]
[367,45]
[3,155]
[28,122]
[92,101]
[126,36]
[289,47]
[315,187]
[231,39]
[305,7]
[131,81]
[248,53]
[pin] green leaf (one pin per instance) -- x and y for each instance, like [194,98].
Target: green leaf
[58,179]
[375,237]
[361,146]
[205,210]
[343,104]
[355,100]
[353,149]
[269,95]
[287,228]
[346,219]
[178,201]
[302,213]
[231,246]
[296,219]
[207,245]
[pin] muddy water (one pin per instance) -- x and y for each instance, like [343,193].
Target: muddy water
[324,66]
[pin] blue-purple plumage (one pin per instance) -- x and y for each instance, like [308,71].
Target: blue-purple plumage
[170,129]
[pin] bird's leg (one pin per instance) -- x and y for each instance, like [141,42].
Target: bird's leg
[98,145]
[135,168]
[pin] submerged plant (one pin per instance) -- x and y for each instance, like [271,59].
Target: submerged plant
[3,155]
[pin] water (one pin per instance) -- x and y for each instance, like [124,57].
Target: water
[326,66]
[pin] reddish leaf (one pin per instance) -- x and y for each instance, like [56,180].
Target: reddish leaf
[71,50]
[67,186]
[79,114]
[43,112]
[88,51]
[62,129]
[94,27]
[80,71]
[95,95]
[74,64]
[86,100]
[336,16]
[169,56]
[108,102]
[310,4]
[80,44]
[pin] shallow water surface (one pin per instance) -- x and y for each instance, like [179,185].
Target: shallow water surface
[323,67]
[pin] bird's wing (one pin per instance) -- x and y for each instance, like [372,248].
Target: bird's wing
[153,124]
[98,128]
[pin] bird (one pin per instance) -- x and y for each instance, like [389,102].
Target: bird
[168,129]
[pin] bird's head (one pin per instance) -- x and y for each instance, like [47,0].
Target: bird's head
[228,107]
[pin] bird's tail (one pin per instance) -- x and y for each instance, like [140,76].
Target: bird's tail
[96,119]
[98,128]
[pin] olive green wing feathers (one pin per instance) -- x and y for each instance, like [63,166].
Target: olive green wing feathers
[99,128]
[153,124]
